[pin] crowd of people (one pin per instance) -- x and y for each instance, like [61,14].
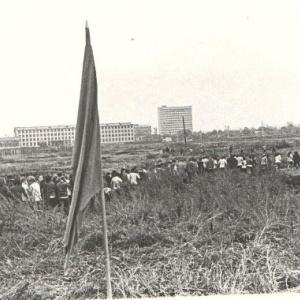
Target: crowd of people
[188,167]
[49,191]
[56,190]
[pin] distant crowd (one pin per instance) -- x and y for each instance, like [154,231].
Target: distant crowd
[56,191]
[49,191]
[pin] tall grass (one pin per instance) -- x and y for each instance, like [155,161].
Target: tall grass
[225,233]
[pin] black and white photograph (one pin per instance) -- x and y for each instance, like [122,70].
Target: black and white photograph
[149,149]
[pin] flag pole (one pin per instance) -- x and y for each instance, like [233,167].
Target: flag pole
[86,161]
[66,265]
[104,224]
[105,240]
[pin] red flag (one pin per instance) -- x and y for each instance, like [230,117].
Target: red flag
[86,157]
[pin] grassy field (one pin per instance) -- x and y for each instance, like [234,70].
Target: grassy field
[229,233]
[131,154]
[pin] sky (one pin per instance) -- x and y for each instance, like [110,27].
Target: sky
[235,62]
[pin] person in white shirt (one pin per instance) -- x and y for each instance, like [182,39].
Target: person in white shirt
[215,162]
[244,165]
[277,160]
[116,183]
[34,191]
[204,162]
[133,177]
[222,163]
[107,192]
[264,162]
[239,161]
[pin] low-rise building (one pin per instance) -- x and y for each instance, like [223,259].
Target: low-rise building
[45,135]
[9,146]
[64,135]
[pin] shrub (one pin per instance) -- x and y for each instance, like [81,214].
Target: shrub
[151,156]
[283,144]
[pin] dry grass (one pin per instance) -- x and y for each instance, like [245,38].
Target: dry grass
[228,233]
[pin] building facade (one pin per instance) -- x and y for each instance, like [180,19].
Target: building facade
[65,135]
[45,135]
[9,146]
[170,119]
[117,132]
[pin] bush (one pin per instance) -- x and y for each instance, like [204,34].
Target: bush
[283,144]
[151,156]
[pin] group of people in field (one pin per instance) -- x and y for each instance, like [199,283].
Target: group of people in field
[192,167]
[49,191]
[56,190]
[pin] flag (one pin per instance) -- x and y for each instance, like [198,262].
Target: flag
[86,161]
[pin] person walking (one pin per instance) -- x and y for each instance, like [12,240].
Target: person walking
[107,192]
[200,166]
[108,178]
[181,151]
[222,163]
[204,163]
[5,190]
[232,162]
[277,160]
[182,170]
[24,185]
[133,177]
[50,195]
[244,165]
[264,162]
[191,170]
[251,163]
[174,168]
[239,162]
[18,191]
[34,192]
[116,183]
[62,194]
[42,184]
[210,165]
[296,158]
[289,160]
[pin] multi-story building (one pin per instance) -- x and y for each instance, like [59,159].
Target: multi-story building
[170,119]
[117,132]
[65,135]
[45,135]
[9,146]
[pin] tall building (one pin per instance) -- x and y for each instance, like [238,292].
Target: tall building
[65,134]
[170,119]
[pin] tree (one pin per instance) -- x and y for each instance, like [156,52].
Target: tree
[246,131]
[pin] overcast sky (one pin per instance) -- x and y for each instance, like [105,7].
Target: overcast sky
[236,62]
